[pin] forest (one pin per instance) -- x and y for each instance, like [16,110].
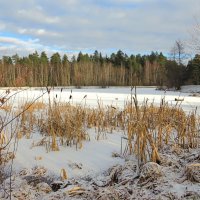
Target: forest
[118,69]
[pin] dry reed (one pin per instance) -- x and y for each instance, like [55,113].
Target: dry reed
[148,128]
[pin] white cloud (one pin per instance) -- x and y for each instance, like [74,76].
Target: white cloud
[16,41]
[13,45]
[106,24]
[38,32]
[2,26]
[37,15]
[128,1]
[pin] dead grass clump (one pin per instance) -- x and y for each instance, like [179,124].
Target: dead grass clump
[5,156]
[38,157]
[6,107]
[150,172]
[193,172]
[28,119]
[27,123]
[39,171]
[65,125]
[43,187]
[76,190]
[149,128]
[63,174]
[3,138]
[34,106]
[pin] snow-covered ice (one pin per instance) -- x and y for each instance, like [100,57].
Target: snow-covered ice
[116,96]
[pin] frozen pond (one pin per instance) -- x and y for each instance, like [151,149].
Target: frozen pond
[116,96]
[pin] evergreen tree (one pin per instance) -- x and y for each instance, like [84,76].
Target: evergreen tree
[43,58]
[65,59]
[55,69]
[174,74]
[193,70]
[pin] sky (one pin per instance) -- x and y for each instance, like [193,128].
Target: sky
[71,26]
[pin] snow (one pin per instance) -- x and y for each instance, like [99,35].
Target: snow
[116,96]
[190,88]
[96,156]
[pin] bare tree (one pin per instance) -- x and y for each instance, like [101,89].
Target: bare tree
[194,42]
[178,53]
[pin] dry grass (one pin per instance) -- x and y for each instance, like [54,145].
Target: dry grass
[63,174]
[32,107]
[3,139]
[28,118]
[14,124]
[6,107]
[148,128]
[65,125]
[193,172]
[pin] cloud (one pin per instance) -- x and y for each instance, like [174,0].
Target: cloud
[38,32]
[37,15]
[2,26]
[132,25]
[11,45]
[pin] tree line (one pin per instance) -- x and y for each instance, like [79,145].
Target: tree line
[118,69]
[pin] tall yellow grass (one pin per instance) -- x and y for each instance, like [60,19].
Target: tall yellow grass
[148,128]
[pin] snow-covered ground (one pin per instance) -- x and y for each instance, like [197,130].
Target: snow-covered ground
[93,158]
[96,156]
[116,96]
